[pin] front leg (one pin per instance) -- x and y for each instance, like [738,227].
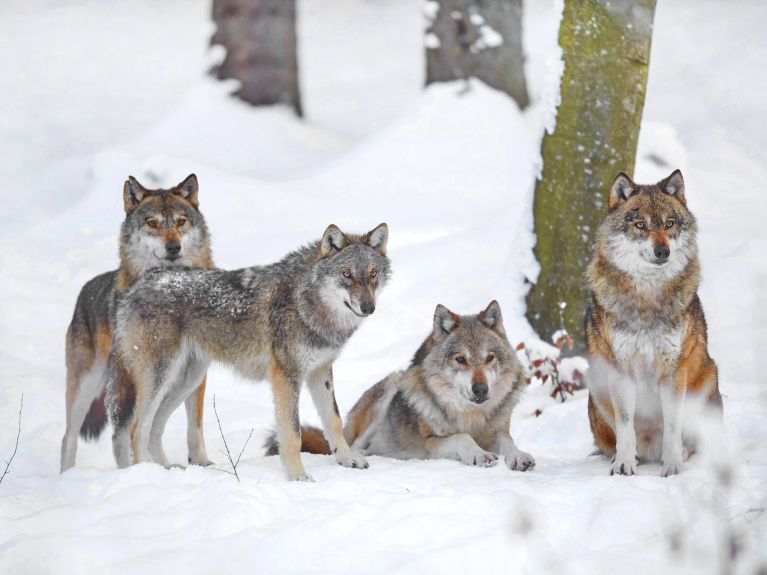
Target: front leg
[320,384]
[286,388]
[516,459]
[195,439]
[672,395]
[623,397]
[460,446]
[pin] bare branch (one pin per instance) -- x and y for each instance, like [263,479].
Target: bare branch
[16,447]
[228,454]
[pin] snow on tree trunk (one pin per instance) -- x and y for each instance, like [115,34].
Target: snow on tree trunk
[606,46]
[479,38]
[261,49]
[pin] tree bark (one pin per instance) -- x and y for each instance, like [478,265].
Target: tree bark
[479,38]
[606,45]
[261,49]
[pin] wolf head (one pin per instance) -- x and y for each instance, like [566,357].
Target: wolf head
[350,269]
[468,358]
[163,227]
[648,231]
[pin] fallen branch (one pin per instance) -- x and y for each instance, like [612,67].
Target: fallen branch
[232,462]
[16,447]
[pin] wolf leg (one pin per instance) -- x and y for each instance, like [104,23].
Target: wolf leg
[286,389]
[460,446]
[81,391]
[515,457]
[195,439]
[150,393]
[320,383]
[672,395]
[623,397]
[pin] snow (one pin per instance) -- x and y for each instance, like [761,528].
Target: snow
[451,171]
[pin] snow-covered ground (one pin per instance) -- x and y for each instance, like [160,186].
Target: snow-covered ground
[91,92]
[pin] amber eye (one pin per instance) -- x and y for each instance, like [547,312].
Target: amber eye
[346,273]
[490,357]
[180,222]
[151,223]
[670,223]
[460,359]
[373,273]
[640,225]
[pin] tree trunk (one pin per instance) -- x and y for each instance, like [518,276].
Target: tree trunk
[479,38]
[261,49]
[606,45]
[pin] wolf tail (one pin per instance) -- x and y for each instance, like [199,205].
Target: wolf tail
[312,441]
[95,420]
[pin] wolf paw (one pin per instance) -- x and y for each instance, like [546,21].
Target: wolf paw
[484,459]
[520,461]
[623,466]
[302,477]
[351,459]
[674,468]
[201,461]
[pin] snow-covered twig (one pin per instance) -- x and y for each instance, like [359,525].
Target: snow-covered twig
[16,447]
[232,462]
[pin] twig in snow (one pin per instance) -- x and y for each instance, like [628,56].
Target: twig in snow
[228,454]
[16,447]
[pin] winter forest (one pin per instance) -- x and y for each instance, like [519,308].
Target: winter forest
[489,136]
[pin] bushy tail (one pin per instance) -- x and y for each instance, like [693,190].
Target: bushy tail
[312,441]
[96,420]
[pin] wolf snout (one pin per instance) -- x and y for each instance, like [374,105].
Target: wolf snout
[173,248]
[479,389]
[662,252]
[367,308]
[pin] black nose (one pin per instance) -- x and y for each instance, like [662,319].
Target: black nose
[173,248]
[367,308]
[662,252]
[479,389]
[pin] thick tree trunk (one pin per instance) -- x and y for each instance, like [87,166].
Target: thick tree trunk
[479,38]
[261,49]
[606,45]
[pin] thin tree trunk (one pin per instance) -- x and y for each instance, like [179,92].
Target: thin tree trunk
[261,49]
[606,45]
[477,38]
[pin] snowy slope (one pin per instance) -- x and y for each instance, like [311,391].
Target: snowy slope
[106,95]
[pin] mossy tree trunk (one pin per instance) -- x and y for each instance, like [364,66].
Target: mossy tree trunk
[480,39]
[606,46]
[261,49]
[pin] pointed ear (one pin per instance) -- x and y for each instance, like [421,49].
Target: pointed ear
[333,240]
[378,237]
[673,186]
[621,190]
[133,193]
[445,321]
[188,190]
[492,318]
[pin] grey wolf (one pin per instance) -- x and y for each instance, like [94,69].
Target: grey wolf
[454,401]
[286,322]
[650,373]
[161,228]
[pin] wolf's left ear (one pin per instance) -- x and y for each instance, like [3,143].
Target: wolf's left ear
[377,238]
[622,189]
[492,318]
[333,240]
[673,186]
[133,193]
[188,190]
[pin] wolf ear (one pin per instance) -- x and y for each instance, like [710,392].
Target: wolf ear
[445,321]
[673,186]
[133,193]
[621,190]
[492,318]
[188,190]
[377,238]
[333,240]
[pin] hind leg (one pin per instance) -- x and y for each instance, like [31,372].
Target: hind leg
[195,439]
[82,390]
[151,389]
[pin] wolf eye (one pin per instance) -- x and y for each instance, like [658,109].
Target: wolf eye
[640,225]
[460,359]
[670,223]
[373,273]
[180,222]
[346,273]
[490,357]
[151,223]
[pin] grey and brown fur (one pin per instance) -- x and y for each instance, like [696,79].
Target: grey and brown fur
[650,377]
[454,401]
[286,322]
[161,228]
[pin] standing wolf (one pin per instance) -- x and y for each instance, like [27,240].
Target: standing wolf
[286,322]
[650,373]
[453,402]
[161,228]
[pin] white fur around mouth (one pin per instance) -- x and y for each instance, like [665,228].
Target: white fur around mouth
[346,303]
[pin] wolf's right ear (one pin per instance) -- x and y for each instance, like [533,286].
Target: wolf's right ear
[333,240]
[133,193]
[621,190]
[445,321]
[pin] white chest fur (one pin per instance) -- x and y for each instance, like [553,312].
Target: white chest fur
[647,352]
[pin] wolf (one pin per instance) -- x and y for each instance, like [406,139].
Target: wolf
[286,322]
[162,227]
[453,402]
[650,374]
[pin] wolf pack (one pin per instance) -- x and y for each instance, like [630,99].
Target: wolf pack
[142,337]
